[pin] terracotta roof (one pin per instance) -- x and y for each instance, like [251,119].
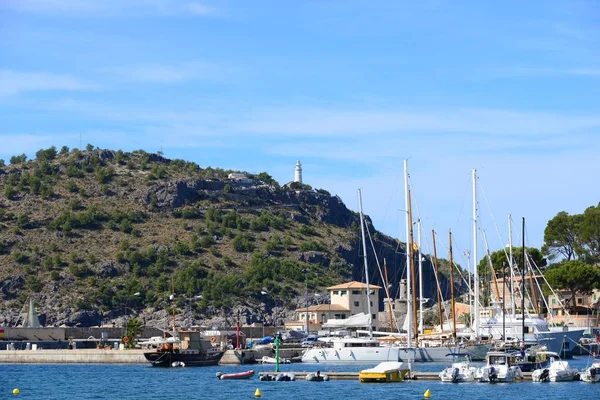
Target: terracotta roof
[354,285]
[324,307]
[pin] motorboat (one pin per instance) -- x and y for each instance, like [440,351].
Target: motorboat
[557,371]
[238,375]
[459,371]
[592,373]
[388,371]
[500,367]
[273,360]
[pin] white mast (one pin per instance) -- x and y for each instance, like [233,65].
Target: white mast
[420,277]
[510,265]
[408,278]
[475,271]
[362,230]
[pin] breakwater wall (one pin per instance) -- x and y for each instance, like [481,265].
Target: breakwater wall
[79,356]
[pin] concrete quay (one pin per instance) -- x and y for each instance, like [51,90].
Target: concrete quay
[352,376]
[77,356]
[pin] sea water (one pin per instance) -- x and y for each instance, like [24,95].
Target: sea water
[95,381]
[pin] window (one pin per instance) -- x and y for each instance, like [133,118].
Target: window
[580,301]
[553,301]
[371,303]
[356,304]
[374,316]
[595,297]
[343,292]
[335,292]
[356,292]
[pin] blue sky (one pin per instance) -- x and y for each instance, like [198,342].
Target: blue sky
[351,88]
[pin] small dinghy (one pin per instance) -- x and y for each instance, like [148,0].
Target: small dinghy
[237,375]
[317,377]
[178,364]
[281,377]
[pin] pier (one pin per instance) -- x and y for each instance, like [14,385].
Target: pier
[350,376]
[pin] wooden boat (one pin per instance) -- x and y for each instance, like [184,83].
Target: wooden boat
[237,375]
[389,371]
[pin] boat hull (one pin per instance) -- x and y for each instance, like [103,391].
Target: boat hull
[190,359]
[239,375]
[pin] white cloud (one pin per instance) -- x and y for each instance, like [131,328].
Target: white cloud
[109,7]
[14,82]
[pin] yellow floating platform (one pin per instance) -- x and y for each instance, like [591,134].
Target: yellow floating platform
[388,371]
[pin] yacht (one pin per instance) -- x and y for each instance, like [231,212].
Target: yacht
[500,367]
[350,349]
[557,371]
[537,331]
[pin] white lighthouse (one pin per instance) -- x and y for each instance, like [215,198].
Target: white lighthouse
[298,172]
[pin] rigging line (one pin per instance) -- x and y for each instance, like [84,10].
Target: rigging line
[387,290]
[530,264]
[487,203]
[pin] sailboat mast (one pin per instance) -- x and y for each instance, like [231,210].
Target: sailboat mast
[408,260]
[523,283]
[439,292]
[475,272]
[420,277]
[531,285]
[453,306]
[412,267]
[364,242]
[510,264]
[387,291]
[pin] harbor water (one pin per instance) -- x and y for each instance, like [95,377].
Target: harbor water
[95,381]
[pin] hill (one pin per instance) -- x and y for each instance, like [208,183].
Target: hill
[97,235]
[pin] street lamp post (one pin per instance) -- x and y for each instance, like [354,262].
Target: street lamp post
[197,297]
[264,293]
[307,318]
[126,315]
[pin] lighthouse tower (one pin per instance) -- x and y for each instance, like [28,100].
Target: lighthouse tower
[298,172]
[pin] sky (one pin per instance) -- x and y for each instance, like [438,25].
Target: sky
[349,88]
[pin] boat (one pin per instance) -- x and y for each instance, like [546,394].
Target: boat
[388,371]
[316,377]
[460,371]
[273,360]
[188,347]
[532,358]
[592,373]
[238,375]
[557,371]
[500,367]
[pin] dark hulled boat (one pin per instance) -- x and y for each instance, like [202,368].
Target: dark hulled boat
[190,348]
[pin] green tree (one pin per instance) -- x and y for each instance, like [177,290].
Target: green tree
[64,150]
[18,159]
[134,328]
[574,276]
[89,147]
[560,236]
[589,230]
[2,164]
[500,258]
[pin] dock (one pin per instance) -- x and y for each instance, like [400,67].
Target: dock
[353,376]
[77,356]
